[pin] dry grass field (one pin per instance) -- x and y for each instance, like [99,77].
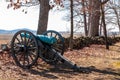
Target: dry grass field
[101,64]
[5,38]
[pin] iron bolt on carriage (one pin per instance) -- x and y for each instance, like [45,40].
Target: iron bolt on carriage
[26,48]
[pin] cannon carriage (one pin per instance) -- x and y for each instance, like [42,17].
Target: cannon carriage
[26,48]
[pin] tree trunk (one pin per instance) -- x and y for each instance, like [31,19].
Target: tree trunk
[43,16]
[104,26]
[85,20]
[94,18]
[100,28]
[71,35]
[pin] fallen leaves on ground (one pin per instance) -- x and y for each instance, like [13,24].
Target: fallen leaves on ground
[96,57]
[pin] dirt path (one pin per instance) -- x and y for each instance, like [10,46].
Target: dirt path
[101,64]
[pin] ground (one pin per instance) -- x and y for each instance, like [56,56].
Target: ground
[101,64]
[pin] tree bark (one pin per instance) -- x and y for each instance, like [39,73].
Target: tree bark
[43,16]
[94,17]
[104,26]
[71,34]
[85,20]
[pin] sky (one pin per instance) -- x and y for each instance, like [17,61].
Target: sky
[15,19]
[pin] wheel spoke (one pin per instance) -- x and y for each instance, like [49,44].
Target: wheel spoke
[18,40]
[55,36]
[31,42]
[28,41]
[31,57]
[20,57]
[28,59]
[21,38]
[32,53]
[24,59]
[25,38]
[17,52]
[32,48]
[16,48]
[51,34]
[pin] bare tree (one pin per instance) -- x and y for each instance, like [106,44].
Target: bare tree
[84,17]
[71,35]
[104,24]
[115,7]
[78,14]
[44,10]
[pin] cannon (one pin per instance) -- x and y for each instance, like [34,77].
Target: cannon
[27,47]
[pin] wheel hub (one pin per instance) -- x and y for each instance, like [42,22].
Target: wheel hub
[24,49]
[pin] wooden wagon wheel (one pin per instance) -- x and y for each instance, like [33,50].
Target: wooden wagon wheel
[24,48]
[48,54]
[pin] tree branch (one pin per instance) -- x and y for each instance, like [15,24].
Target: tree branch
[104,1]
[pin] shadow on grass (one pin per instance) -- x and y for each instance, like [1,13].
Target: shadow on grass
[105,71]
[64,71]
[50,72]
